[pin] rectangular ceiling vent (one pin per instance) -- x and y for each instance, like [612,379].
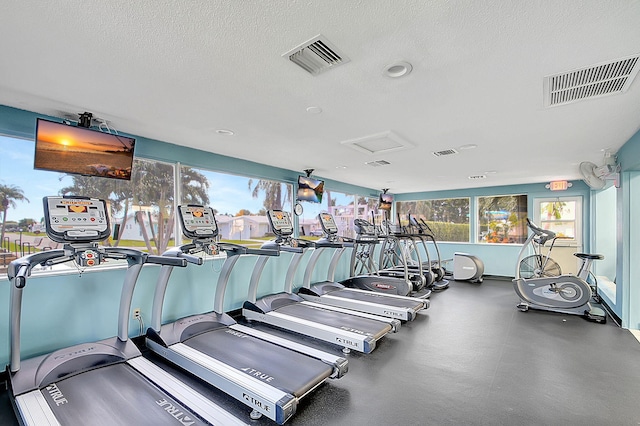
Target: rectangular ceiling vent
[316,55]
[380,143]
[599,80]
[377,163]
[445,152]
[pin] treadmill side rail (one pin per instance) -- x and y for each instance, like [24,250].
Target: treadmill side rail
[340,365]
[273,403]
[343,338]
[393,322]
[34,410]
[402,314]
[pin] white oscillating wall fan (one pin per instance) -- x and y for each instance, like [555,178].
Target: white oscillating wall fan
[597,176]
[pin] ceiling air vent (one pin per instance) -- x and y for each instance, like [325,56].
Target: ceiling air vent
[599,80]
[377,163]
[445,152]
[380,143]
[316,55]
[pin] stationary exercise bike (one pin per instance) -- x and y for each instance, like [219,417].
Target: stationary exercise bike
[540,285]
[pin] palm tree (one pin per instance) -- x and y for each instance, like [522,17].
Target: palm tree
[9,194]
[272,193]
[152,185]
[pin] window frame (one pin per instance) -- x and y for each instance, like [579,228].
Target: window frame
[468,223]
[521,222]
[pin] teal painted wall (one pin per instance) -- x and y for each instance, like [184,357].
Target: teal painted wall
[629,154]
[62,310]
[628,234]
[501,259]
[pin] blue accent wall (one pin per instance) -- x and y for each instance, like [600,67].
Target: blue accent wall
[628,234]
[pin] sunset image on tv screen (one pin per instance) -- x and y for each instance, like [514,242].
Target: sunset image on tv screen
[69,149]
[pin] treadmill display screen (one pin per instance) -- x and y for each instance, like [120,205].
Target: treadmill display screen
[198,221]
[280,222]
[328,223]
[76,219]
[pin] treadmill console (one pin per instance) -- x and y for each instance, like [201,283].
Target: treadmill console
[73,219]
[364,228]
[280,223]
[198,221]
[328,223]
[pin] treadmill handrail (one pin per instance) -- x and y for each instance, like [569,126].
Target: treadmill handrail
[236,249]
[20,269]
[326,243]
[286,245]
[313,260]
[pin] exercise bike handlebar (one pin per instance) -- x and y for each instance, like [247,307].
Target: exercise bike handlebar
[543,235]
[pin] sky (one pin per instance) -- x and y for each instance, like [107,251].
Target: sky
[16,168]
[227,193]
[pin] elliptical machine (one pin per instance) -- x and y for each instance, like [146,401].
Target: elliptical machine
[541,290]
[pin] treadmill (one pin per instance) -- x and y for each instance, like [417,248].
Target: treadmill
[106,382]
[333,293]
[347,328]
[267,373]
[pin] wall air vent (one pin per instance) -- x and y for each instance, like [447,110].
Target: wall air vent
[595,81]
[377,163]
[316,55]
[445,152]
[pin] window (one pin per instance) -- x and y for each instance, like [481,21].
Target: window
[141,210]
[447,217]
[559,216]
[369,211]
[340,205]
[562,215]
[239,202]
[502,219]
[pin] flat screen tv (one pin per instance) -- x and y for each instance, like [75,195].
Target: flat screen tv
[386,200]
[310,189]
[77,150]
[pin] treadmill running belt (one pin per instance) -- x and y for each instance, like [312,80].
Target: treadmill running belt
[365,326]
[282,368]
[114,395]
[374,298]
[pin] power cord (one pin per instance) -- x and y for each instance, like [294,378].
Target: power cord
[141,323]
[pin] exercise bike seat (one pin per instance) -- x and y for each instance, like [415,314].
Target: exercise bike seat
[589,256]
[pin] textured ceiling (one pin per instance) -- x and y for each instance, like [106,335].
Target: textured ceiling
[178,71]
